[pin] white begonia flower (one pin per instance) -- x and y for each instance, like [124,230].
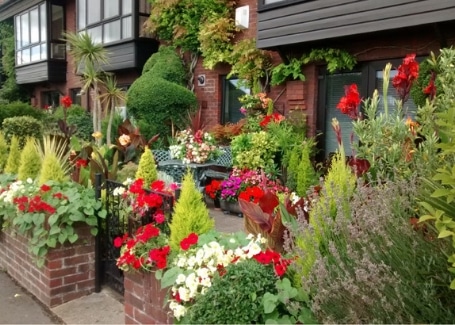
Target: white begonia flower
[254,249]
[177,309]
[180,279]
[29,180]
[118,191]
[181,262]
[184,294]
[203,273]
[191,262]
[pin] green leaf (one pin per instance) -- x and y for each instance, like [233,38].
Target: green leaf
[62,209]
[270,302]
[51,242]
[445,233]
[102,214]
[94,231]
[52,219]
[54,230]
[452,284]
[73,238]
[170,276]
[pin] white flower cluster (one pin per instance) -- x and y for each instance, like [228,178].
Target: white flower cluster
[199,266]
[193,148]
[17,188]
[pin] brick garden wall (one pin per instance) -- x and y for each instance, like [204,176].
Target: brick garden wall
[68,272]
[144,300]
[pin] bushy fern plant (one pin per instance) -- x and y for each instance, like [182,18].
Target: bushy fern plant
[14,157]
[190,213]
[30,161]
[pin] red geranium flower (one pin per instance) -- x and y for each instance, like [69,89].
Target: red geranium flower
[66,101]
[349,104]
[408,72]
[45,188]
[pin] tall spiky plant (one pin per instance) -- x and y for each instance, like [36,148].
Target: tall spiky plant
[55,156]
[14,157]
[147,168]
[89,57]
[190,213]
[30,161]
[111,97]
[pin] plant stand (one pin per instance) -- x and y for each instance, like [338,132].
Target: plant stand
[231,208]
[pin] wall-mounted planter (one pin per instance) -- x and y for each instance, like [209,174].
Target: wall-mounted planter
[68,272]
[145,300]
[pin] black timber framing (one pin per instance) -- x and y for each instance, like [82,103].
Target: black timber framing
[326,19]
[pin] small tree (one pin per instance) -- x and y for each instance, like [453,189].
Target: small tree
[190,214]
[14,157]
[111,98]
[147,168]
[30,161]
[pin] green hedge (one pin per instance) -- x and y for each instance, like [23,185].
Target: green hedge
[20,109]
[22,127]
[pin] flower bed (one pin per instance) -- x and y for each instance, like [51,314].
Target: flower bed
[145,300]
[68,270]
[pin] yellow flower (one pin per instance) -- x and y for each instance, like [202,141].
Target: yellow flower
[97,135]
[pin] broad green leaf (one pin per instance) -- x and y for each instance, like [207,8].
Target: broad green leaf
[170,276]
[73,238]
[54,230]
[52,219]
[102,214]
[270,302]
[52,242]
[445,233]
[94,231]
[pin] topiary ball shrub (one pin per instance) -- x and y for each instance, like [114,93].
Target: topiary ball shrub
[22,127]
[166,64]
[235,297]
[156,102]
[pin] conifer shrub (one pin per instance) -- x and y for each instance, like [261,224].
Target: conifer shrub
[3,151]
[190,213]
[147,168]
[30,161]
[14,157]
[22,127]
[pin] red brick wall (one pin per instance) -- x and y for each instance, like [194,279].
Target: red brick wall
[68,272]
[144,300]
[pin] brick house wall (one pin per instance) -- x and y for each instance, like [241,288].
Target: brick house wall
[68,272]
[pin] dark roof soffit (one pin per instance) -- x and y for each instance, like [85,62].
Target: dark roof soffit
[13,7]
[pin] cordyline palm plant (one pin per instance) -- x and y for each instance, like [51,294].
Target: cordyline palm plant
[111,97]
[89,57]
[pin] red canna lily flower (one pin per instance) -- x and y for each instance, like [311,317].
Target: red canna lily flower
[349,104]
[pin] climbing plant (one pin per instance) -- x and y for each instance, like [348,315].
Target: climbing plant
[10,91]
[335,59]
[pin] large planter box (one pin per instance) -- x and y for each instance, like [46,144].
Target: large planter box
[68,272]
[145,300]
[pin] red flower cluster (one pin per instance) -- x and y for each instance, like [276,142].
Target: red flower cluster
[275,117]
[144,200]
[430,90]
[408,72]
[187,242]
[66,101]
[80,163]
[143,236]
[33,205]
[280,264]
[252,194]
[213,190]
[159,256]
[349,104]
